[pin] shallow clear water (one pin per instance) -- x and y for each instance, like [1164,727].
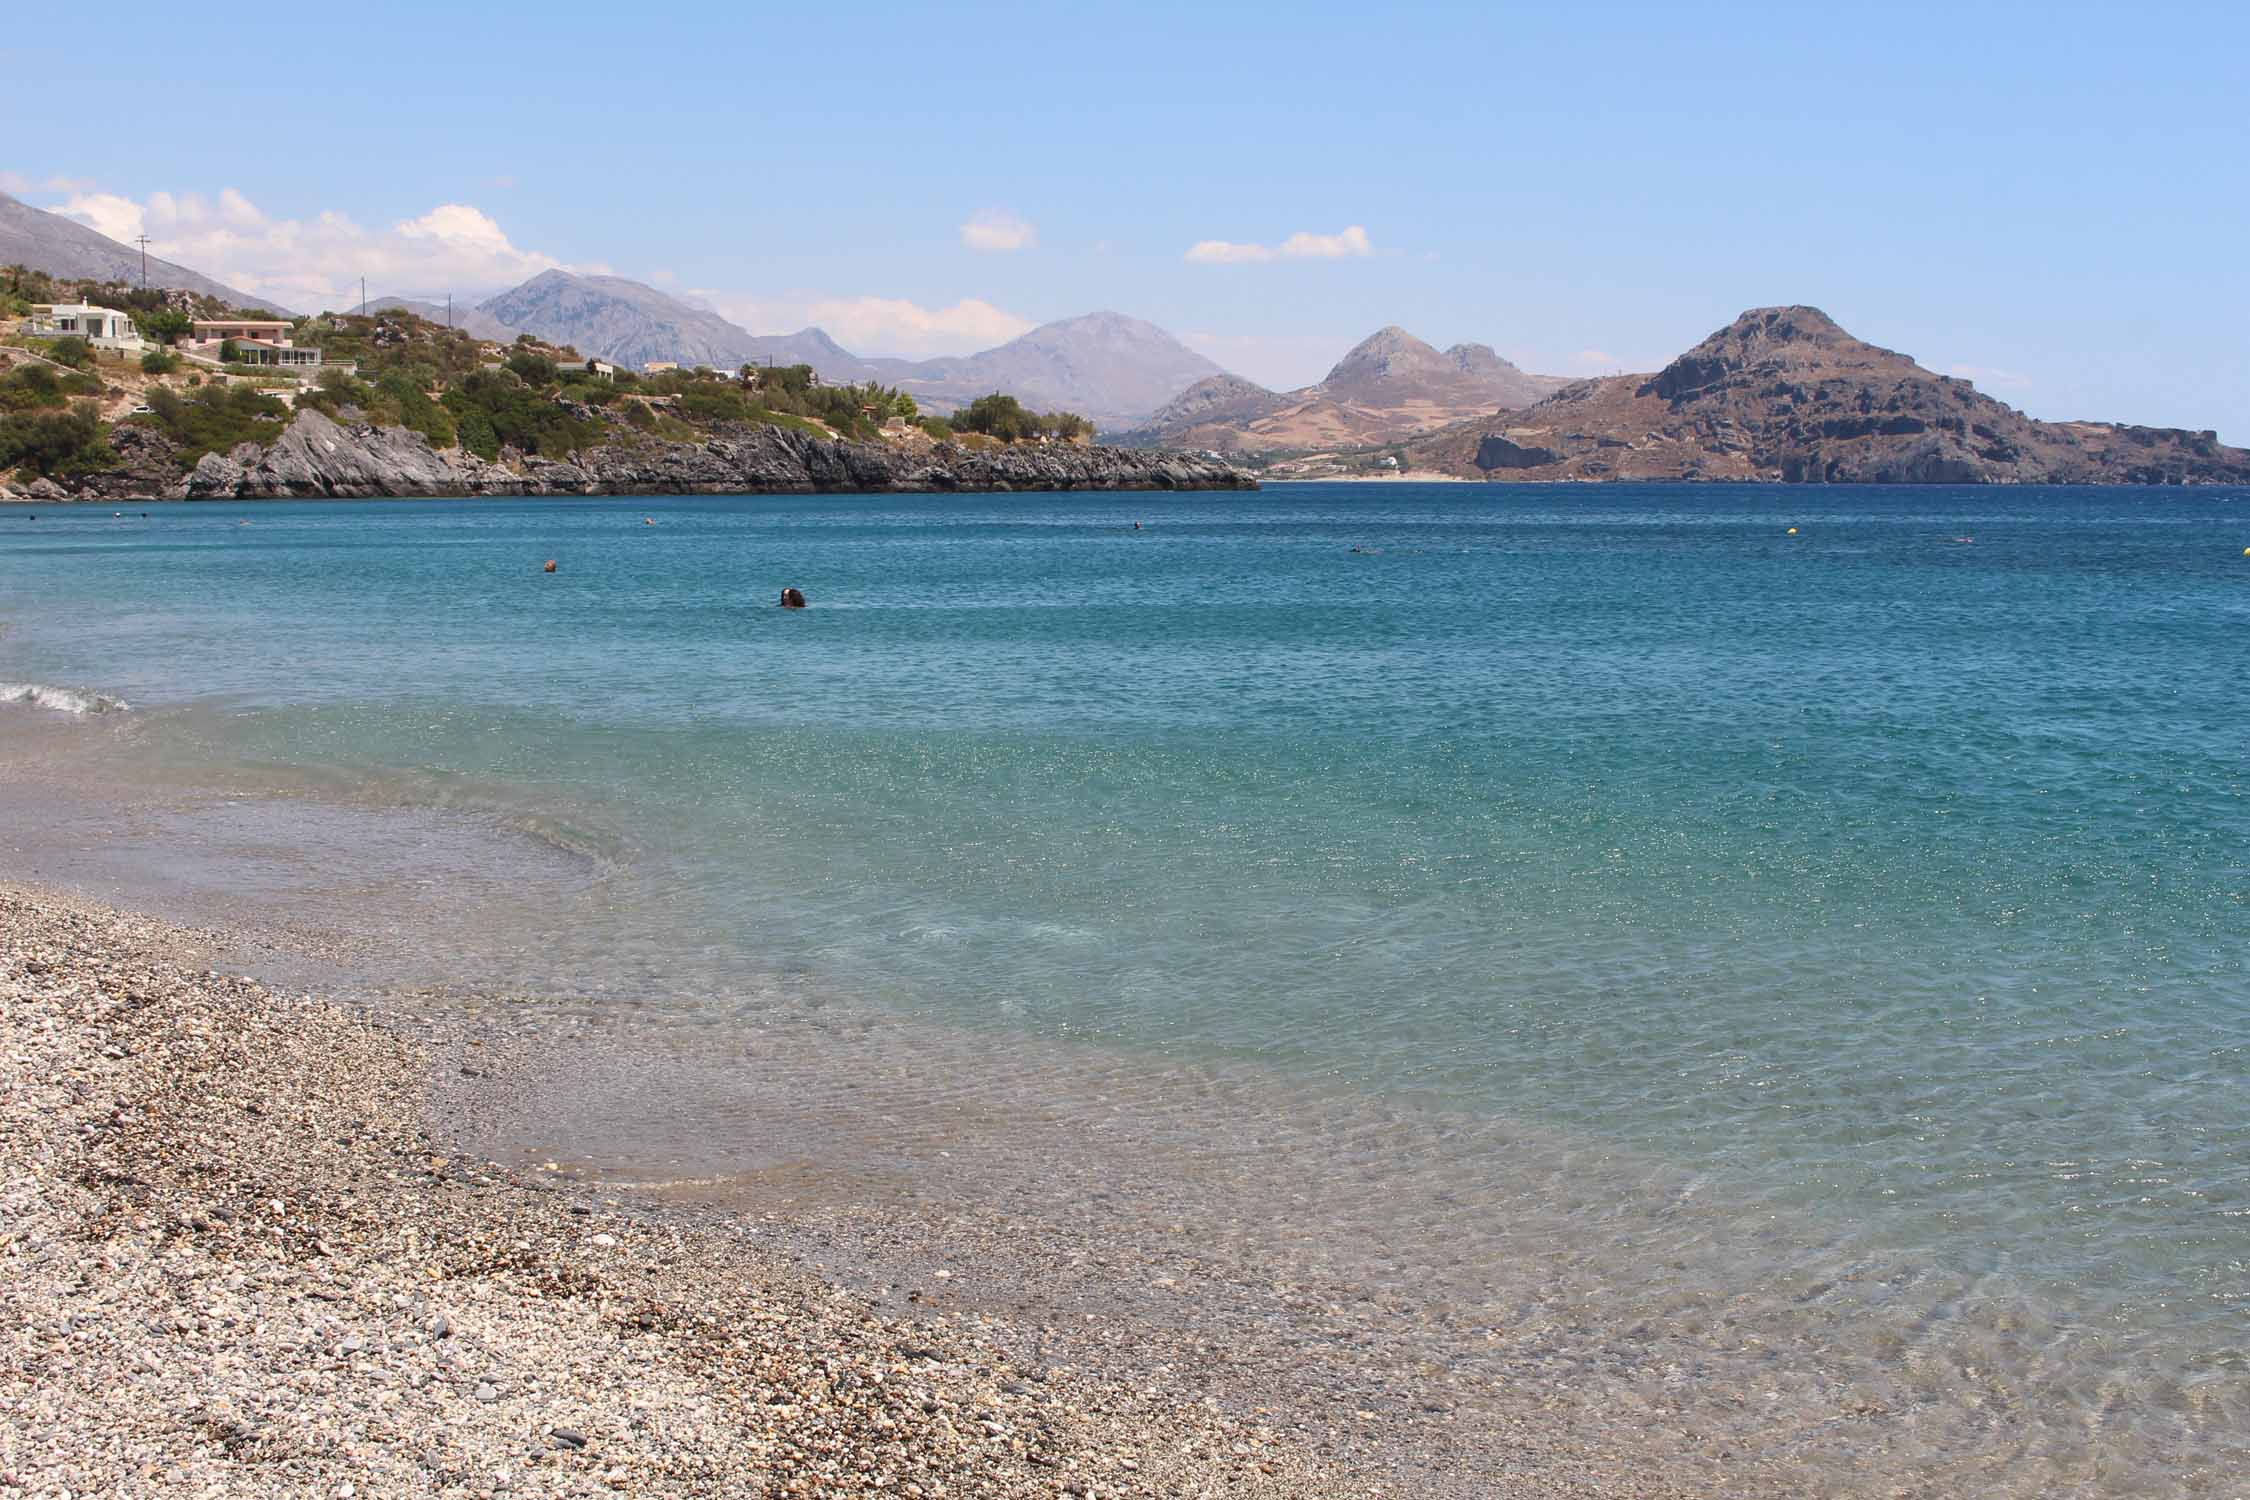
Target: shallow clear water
[1896,880]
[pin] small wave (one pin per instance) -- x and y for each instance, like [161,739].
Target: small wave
[60,700]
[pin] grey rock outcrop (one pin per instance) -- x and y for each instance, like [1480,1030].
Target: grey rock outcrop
[318,458]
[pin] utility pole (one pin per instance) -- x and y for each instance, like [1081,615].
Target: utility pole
[363,296]
[448,312]
[142,241]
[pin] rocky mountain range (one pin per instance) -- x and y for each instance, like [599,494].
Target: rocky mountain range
[474,321]
[1103,365]
[1111,368]
[615,319]
[1390,387]
[1783,393]
[44,241]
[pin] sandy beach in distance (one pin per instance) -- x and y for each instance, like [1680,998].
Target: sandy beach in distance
[1410,476]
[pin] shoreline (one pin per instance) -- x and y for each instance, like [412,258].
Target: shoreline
[251,1210]
[227,1203]
[1557,1378]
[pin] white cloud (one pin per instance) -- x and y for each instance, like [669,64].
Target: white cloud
[1227,253]
[879,325]
[1350,244]
[1986,375]
[315,263]
[119,218]
[994,230]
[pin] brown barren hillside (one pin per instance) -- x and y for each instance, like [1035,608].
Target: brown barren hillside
[1782,393]
[1390,387]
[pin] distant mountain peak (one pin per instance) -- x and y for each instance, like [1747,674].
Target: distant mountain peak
[1769,338]
[1387,355]
[1784,393]
[43,241]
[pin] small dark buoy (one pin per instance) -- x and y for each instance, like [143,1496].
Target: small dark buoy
[792,599]
[550,567]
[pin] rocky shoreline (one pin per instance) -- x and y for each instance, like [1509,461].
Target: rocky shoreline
[317,458]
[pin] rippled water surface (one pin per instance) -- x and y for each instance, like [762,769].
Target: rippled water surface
[1891,876]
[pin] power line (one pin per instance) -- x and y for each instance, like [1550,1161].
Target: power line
[142,241]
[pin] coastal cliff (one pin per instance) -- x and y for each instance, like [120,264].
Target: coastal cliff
[1783,394]
[317,458]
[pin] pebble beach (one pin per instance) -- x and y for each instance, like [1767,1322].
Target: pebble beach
[240,1262]
[237,1264]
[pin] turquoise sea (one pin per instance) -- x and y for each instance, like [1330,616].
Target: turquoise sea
[1884,882]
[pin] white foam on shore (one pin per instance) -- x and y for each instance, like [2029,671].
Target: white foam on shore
[60,700]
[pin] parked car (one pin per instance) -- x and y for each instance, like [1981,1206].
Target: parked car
[144,411]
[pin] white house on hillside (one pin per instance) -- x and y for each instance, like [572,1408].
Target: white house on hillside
[103,327]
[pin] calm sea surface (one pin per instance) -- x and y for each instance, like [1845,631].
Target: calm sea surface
[1892,876]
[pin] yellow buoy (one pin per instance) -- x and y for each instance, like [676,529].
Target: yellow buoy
[1792,531]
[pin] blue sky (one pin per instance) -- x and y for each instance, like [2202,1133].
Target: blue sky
[2053,199]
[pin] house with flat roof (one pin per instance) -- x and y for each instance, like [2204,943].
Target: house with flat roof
[659,366]
[257,341]
[103,327]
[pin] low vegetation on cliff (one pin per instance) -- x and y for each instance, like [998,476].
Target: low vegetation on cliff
[153,414]
[47,424]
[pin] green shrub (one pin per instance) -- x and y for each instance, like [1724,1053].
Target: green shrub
[53,441]
[157,362]
[1005,418]
[476,434]
[30,387]
[532,369]
[74,352]
[417,410]
[215,418]
[164,324]
[715,404]
[517,416]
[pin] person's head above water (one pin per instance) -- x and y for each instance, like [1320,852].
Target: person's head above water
[792,599]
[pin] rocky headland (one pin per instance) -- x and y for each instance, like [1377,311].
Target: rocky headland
[1784,394]
[319,458]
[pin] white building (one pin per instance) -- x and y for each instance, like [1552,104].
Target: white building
[103,327]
